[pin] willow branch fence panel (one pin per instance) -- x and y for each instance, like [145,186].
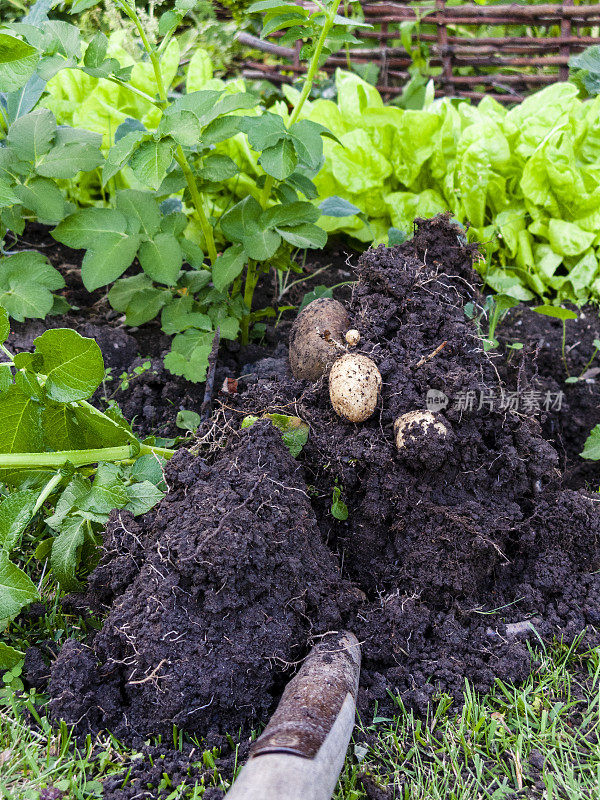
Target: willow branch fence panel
[463,63]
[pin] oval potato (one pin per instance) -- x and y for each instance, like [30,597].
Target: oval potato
[354,384]
[317,338]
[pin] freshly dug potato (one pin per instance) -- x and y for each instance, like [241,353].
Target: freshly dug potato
[354,384]
[352,337]
[317,338]
[425,420]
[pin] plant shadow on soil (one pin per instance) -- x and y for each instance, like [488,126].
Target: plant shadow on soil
[214,597]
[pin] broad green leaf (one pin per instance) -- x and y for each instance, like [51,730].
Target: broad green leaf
[218,168]
[122,150]
[142,497]
[142,207]
[183,126]
[264,131]
[567,238]
[124,290]
[151,161]
[15,514]
[21,430]
[556,312]
[268,5]
[24,299]
[6,377]
[307,141]
[9,656]
[236,221]
[279,161]
[33,266]
[77,488]
[261,244]
[91,227]
[281,21]
[18,61]
[44,198]
[149,468]
[73,364]
[31,136]
[66,160]
[66,548]
[105,265]
[178,316]
[303,184]
[61,428]
[145,305]
[107,491]
[289,214]
[188,420]
[338,207]
[221,129]
[161,258]
[189,355]
[304,236]
[7,195]
[24,100]
[107,430]
[591,449]
[199,71]
[16,588]
[96,50]
[228,266]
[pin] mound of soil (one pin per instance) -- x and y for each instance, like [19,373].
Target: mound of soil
[453,547]
[212,599]
[541,369]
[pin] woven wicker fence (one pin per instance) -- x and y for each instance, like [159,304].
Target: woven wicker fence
[533,52]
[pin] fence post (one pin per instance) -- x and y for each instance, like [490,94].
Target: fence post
[565,48]
[444,48]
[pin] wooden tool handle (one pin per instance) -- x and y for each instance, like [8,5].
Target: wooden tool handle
[301,751]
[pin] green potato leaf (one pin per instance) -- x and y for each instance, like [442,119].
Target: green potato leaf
[161,258]
[16,589]
[73,364]
[18,61]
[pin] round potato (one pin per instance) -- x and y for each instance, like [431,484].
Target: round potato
[421,422]
[352,337]
[317,338]
[354,384]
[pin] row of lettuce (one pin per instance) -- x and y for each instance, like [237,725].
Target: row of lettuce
[527,180]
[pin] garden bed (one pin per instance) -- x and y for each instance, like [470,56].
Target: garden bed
[453,551]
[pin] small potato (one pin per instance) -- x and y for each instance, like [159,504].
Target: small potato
[426,421]
[354,384]
[317,338]
[352,337]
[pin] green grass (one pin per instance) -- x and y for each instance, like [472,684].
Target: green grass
[538,740]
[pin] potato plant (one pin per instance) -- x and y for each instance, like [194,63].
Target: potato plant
[64,464]
[199,264]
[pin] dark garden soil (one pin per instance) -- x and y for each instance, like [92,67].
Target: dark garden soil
[452,550]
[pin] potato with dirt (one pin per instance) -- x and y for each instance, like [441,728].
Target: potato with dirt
[354,384]
[317,338]
[422,437]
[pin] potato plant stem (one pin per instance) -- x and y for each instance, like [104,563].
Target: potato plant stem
[78,458]
[314,61]
[190,180]
[308,83]
[249,287]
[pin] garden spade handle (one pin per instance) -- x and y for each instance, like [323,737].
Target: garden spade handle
[301,752]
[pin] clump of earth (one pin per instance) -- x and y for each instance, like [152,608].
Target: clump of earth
[453,551]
